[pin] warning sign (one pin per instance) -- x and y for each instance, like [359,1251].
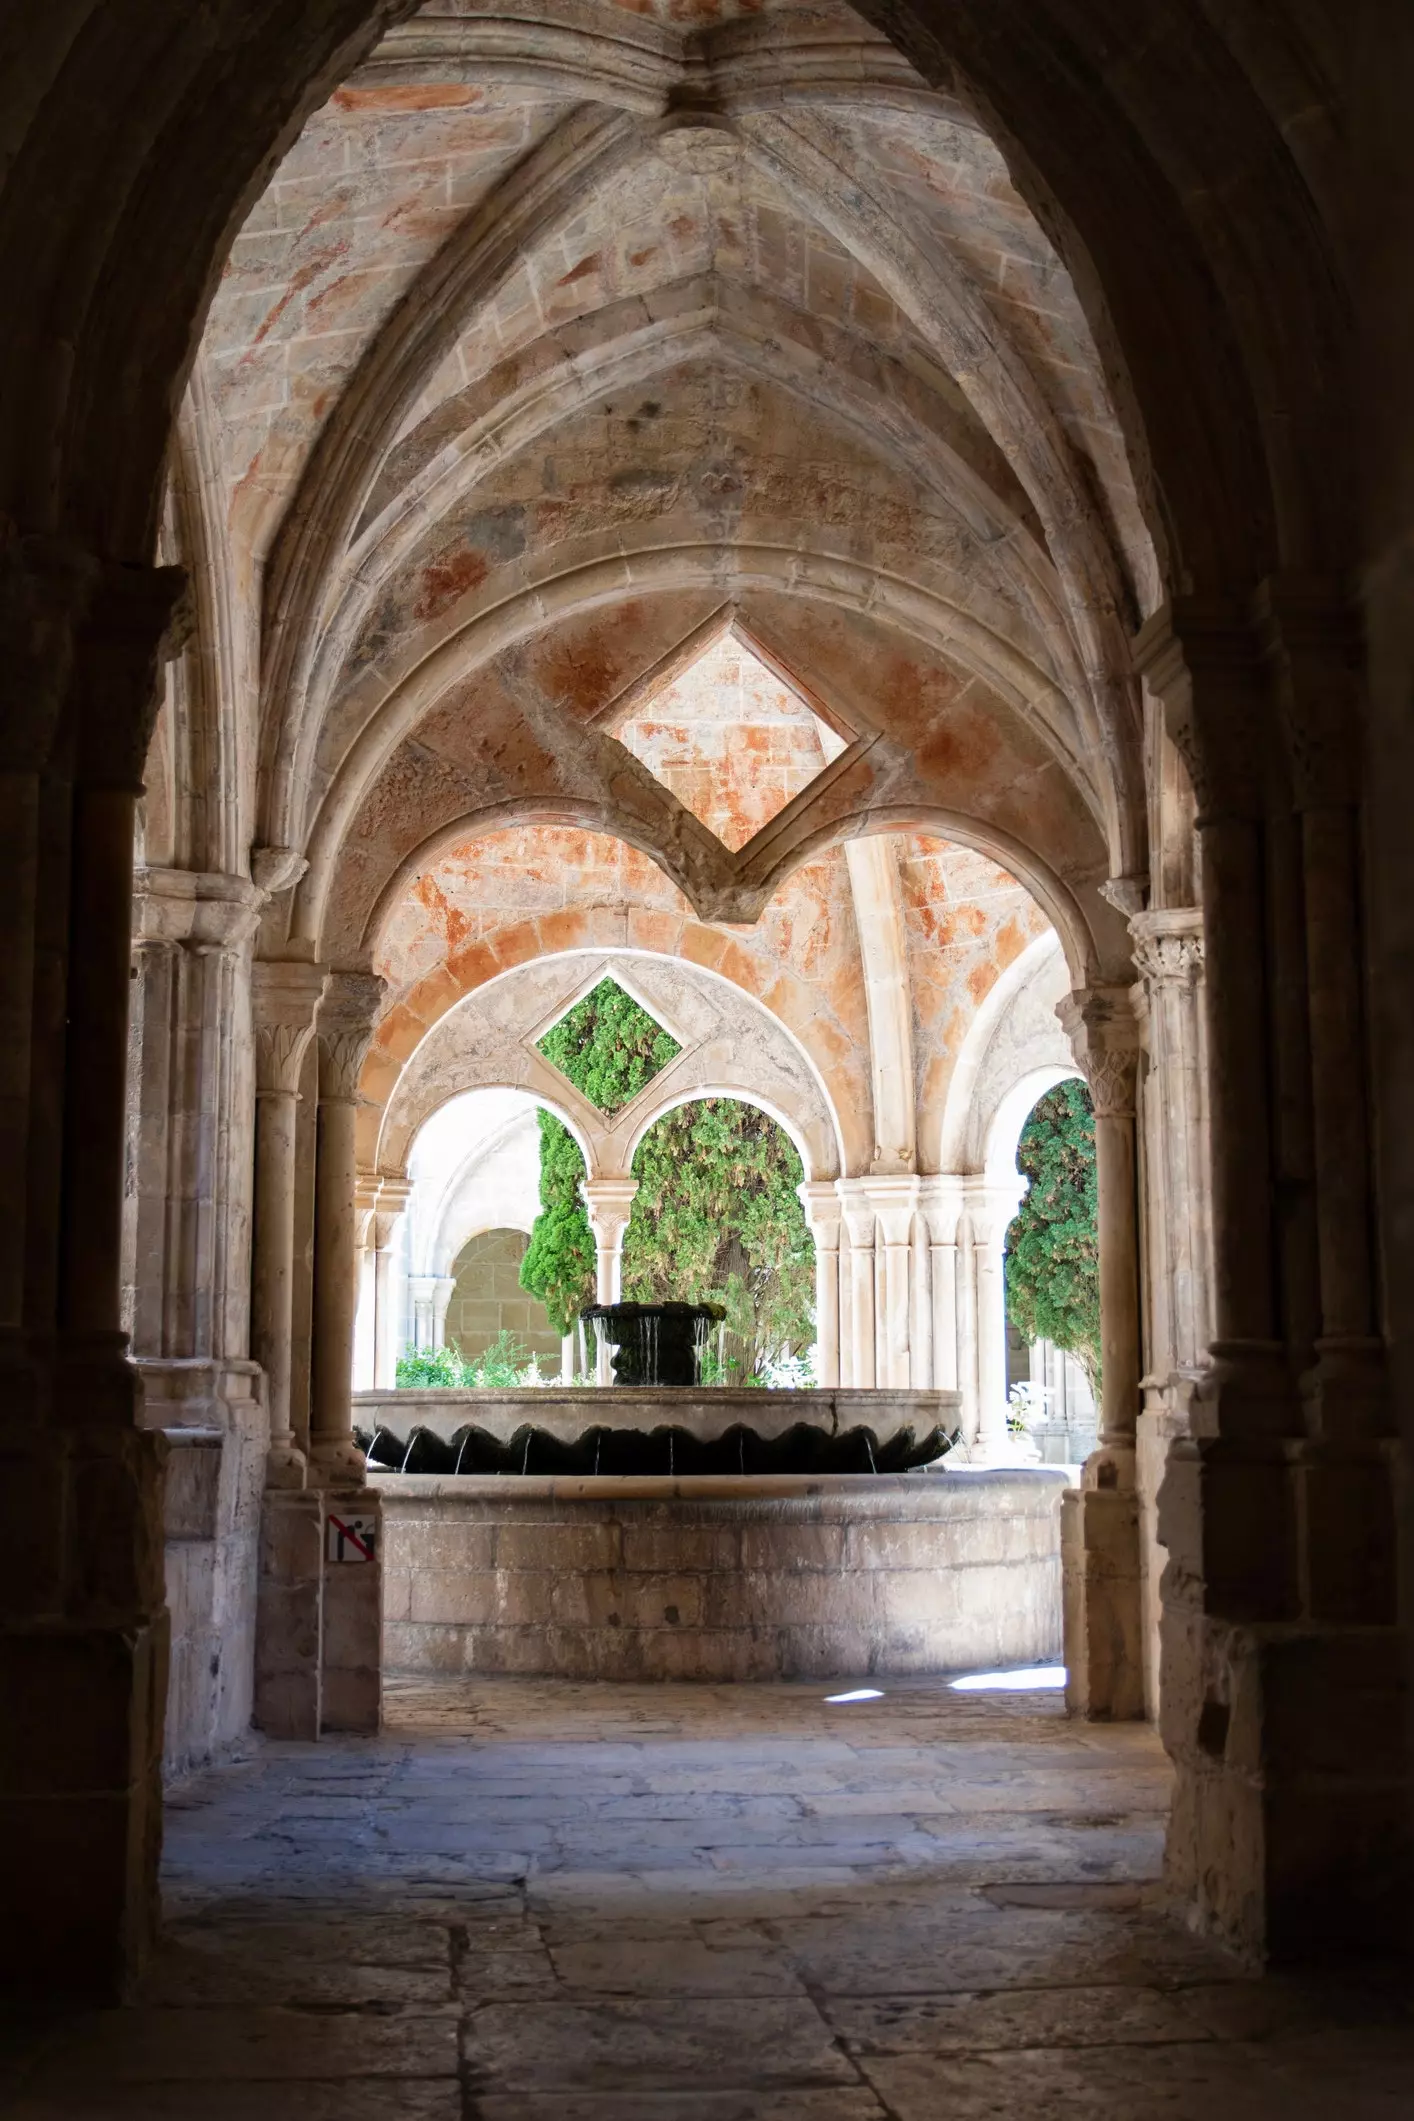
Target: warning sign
[351,1538]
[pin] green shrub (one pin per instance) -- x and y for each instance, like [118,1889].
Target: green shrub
[1053,1246]
[427,1369]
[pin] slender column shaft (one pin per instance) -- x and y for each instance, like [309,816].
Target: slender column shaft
[385,1341]
[1104,1036]
[610,1204]
[822,1213]
[335,1287]
[285,997]
[859,1216]
[95,1108]
[989,1214]
[968,1382]
[271,1293]
[920,1326]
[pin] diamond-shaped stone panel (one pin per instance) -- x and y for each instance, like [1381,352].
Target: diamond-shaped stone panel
[732,741]
[608,1046]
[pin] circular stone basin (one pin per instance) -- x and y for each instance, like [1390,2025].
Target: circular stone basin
[721,1578]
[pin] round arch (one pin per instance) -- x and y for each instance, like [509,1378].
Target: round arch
[1008,1122]
[916,613]
[737,1096]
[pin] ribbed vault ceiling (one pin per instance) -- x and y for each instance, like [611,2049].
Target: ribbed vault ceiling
[581,323]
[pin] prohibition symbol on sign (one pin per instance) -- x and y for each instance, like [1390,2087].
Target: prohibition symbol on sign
[351,1538]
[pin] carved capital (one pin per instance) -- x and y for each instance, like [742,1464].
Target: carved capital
[137,619]
[347,1015]
[822,1212]
[1104,1037]
[894,1199]
[857,1209]
[1168,946]
[940,1204]
[284,997]
[610,1204]
[205,909]
[393,1197]
[1203,661]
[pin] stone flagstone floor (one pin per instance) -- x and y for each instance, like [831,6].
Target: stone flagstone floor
[539,1902]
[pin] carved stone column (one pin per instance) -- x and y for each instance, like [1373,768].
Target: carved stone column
[1311,640]
[83,1652]
[1177,1221]
[284,998]
[366,1298]
[610,1205]
[858,1211]
[990,1209]
[189,1076]
[1100,1520]
[393,1197]
[940,1202]
[1284,1701]
[345,1027]
[895,1203]
[822,1214]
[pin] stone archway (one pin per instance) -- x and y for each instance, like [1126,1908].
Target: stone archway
[1232,398]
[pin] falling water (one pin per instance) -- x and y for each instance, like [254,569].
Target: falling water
[598,1447]
[525,1455]
[407,1454]
[672,1468]
[869,1447]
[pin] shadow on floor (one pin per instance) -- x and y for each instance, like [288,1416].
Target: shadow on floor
[539,1902]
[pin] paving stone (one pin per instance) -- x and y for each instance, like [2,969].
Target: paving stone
[191,2046]
[963,2024]
[689,1941]
[383,2099]
[682,1966]
[684,2042]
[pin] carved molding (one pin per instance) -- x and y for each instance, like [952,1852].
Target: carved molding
[279,1058]
[347,1014]
[822,1212]
[284,996]
[1203,661]
[203,908]
[609,1202]
[1168,946]
[1104,1037]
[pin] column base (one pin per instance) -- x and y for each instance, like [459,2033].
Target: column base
[319,1618]
[336,1465]
[286,1467]
[289,1617]
[1102,1594]
[1291,1836]
[81,1804]
[352,1656]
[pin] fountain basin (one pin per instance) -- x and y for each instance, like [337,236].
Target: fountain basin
[705,1411]
[721,1578]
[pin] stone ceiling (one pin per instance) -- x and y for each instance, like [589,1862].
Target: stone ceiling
[663,429]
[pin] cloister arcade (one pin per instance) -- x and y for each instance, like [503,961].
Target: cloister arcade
[816,514]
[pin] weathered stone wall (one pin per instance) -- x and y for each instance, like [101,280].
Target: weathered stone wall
[488,1300]
[721,1579]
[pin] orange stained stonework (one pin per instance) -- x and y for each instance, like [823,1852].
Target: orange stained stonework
[966,920]
[507,898]
[731,740]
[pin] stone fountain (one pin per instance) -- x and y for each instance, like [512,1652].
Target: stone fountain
[656,1344]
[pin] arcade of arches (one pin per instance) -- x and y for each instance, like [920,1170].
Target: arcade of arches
[845,520]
